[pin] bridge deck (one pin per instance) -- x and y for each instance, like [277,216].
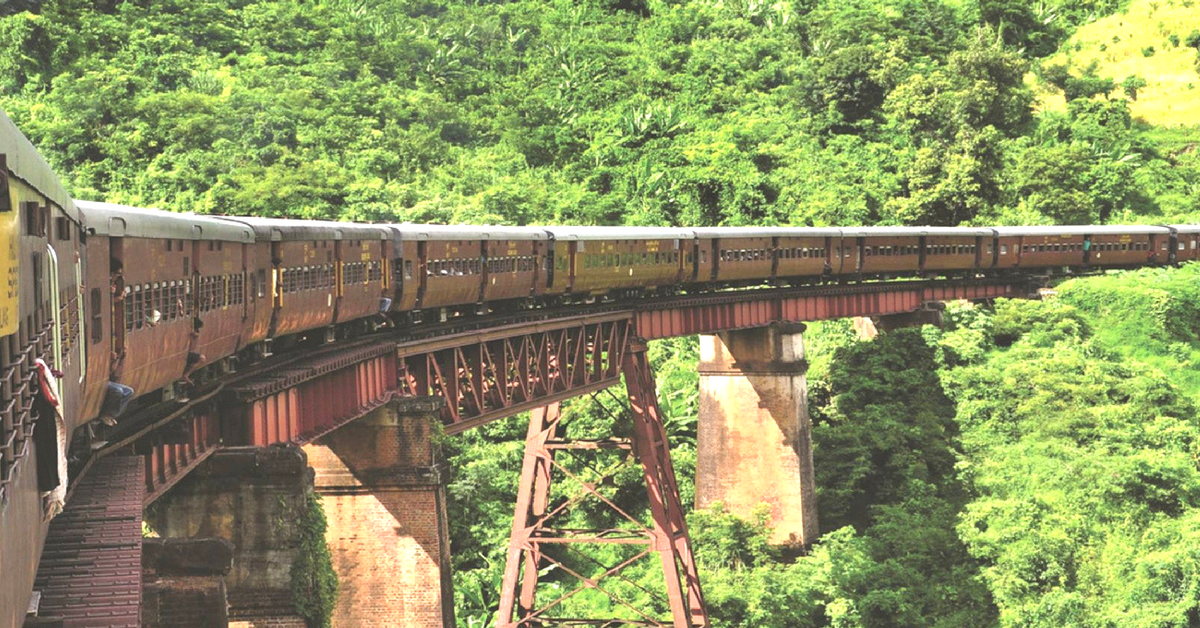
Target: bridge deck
[91,571]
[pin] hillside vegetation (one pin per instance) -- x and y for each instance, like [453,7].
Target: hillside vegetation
[1151,40]
[699,112]
[1031,465]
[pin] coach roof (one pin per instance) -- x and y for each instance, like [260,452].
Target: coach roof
[621,233]
[410,231]
[24,161]
[1082,230]
[288,229]
[766,232]
[971,232]
[137,222]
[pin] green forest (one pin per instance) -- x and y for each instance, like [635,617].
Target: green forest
[1031,464]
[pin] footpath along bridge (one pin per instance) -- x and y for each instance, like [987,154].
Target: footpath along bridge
[365,416]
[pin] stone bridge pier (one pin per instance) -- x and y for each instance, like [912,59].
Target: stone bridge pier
[382,483]
[754,432]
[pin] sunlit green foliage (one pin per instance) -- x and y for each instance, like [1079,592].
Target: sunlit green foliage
[806,112]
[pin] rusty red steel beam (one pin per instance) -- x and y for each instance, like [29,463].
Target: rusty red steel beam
[536,542]
[497,374]
[725,312]
[502,371]
[303,403]
[171,453]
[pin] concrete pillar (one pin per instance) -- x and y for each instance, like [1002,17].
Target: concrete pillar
[383,487]
[929,314]
[255,498]
[755,436]
[183,583]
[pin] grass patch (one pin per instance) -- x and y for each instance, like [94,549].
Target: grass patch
[1117,45]
[1150,315]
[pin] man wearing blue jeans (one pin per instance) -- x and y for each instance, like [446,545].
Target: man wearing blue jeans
[116,399]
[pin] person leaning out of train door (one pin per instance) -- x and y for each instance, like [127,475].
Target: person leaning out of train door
[118,395]
[185,386]
[116,284]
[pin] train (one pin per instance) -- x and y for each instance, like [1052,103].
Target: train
[104,293]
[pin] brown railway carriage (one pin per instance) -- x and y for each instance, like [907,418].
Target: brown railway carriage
[1115,247]
[1187,242]
[364,277]
[303,264]
[880,250]
[1040,247]
[176,268]
[952,248]
[748,254]
[599,260]
[516,262]
[453,266]
[804,253]
[443,266]
[736,255]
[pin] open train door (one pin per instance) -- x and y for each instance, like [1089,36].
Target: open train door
[116,270]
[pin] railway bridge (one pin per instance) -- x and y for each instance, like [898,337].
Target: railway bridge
[359,422]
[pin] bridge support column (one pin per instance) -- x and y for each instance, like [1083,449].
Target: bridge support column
[541,537]
[255,498]
[754,433]
[383,489]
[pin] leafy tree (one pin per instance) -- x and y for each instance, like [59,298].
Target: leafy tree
[1132,84]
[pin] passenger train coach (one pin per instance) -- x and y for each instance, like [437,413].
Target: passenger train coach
[106,293]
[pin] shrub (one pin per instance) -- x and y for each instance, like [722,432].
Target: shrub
[1193,39]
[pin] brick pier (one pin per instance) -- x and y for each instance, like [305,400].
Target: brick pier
[382,485]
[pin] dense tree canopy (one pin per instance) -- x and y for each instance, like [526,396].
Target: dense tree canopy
[601,111]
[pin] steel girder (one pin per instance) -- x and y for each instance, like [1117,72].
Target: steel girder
[536,543]
[498,374]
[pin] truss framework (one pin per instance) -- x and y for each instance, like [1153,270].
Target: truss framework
[499,375]
[533,531]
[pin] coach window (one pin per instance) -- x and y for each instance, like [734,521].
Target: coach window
[62,228]
[138,305]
